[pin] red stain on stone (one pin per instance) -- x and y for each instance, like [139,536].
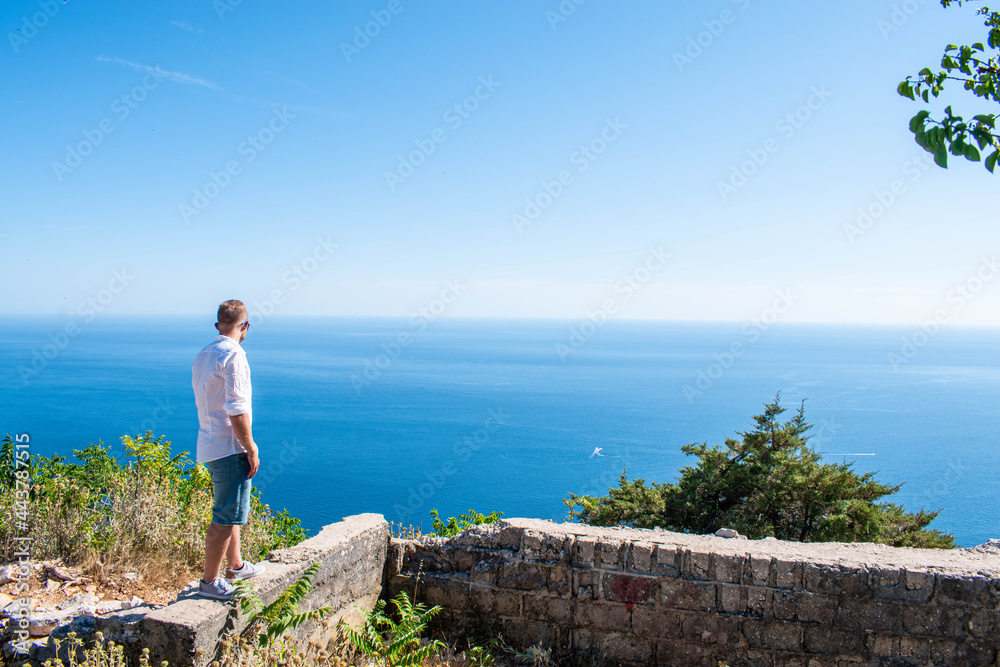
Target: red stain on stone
[631,590]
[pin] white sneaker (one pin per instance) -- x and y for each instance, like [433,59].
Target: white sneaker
[219,589]
[248,570]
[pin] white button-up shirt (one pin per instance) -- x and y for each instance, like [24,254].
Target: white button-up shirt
[220,376]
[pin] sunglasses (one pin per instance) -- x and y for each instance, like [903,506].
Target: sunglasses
[246,324]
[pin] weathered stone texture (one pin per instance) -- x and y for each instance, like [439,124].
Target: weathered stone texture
[352,558]
[640,597]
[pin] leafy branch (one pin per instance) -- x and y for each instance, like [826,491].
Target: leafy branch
[979,73]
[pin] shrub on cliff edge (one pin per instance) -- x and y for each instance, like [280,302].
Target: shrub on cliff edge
[152,510]
[769,483]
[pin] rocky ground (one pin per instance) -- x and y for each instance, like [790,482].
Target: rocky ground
[60,593]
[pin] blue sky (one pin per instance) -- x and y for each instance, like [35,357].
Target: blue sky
[191,89]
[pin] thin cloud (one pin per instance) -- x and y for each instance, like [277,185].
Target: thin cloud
[184,25]
[178,77]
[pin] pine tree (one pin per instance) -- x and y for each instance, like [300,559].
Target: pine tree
[770,482]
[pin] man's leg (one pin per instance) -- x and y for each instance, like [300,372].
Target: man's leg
[217,543]
[234,559]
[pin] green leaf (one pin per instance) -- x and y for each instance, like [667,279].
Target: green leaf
[941,158]
[991,161]
[972,153]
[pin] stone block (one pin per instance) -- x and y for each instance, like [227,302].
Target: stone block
[833,641]
[928,619]
[666,562]
[760,602]
[830,580]
[531,544]
[964,653]
[805,607]
[524,634]
[656,623]
[628,588]
[485,571]
[760,571]
[586,584]
[773,635]
[486,601]
[558,581]
[729,568]
[687,595]
[584,552]
[874,615]
[641,559]
[678,652]
[788,574]
[732,599]
[611,554]
[618,647]
[522,576]
[961,591]
[547,609]
[697,566]
[711,629]
[598,616]
[450,593]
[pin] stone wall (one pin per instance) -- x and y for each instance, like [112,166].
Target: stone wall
[641,597]
[351,554]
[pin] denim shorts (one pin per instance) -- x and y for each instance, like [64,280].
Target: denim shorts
[232,490]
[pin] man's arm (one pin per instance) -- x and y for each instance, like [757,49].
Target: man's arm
[241,427]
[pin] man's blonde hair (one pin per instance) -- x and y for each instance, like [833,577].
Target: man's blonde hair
[231,313]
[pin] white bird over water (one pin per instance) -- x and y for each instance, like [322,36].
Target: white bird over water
[597,452]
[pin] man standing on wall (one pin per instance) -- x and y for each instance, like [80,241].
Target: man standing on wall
[220,376]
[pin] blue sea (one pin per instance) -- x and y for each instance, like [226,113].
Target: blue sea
[396,417]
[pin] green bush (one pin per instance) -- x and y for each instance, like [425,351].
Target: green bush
[153,508]
[454,526]
[768,483]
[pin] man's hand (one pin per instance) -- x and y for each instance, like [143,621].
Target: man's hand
[254,462]
[241,427]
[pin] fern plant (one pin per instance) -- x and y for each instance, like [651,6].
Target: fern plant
[396,643]
[283,614]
